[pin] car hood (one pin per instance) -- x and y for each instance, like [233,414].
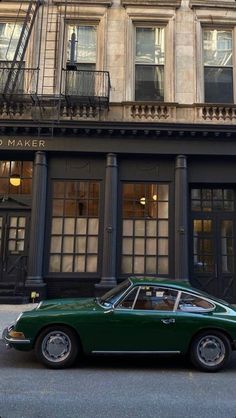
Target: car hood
[67,304]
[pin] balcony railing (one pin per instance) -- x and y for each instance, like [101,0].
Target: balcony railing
[17,83]
[86,87]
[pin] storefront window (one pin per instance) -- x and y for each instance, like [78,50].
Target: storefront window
[75,227]
[16,178]
[145,229]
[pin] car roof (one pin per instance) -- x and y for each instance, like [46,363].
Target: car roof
[178,284]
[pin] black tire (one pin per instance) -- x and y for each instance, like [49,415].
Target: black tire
[210,351]
[57,347]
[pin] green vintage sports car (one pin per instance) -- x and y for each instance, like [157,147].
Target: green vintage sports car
[141,315]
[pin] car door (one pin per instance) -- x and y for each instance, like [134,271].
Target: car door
[143,322]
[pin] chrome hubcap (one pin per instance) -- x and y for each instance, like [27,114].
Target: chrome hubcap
[56,346]
[211,350]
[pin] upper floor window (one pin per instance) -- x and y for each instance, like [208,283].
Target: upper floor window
[149,64]
[218,66]
[82,46]
[9,36]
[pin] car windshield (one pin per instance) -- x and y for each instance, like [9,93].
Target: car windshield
[114,294]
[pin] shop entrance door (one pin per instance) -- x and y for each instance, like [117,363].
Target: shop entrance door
[213,254]
[14,235]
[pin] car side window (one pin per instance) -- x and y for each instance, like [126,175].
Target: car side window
[192,303]
[155,298]
[128,301]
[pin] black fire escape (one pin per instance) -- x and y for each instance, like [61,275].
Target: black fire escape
[15,77]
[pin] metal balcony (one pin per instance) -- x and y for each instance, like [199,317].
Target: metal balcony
[85,87]
[23,83]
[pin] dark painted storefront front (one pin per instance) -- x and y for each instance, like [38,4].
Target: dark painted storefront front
[102,203]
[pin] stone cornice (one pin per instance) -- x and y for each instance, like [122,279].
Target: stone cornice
[107,3]
[160,3]
[212,4]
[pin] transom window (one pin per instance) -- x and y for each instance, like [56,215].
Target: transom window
[75,227]
[145,228]
[16,177]
[218,66]
[149,63]
[208,200]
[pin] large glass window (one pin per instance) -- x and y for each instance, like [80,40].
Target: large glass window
[149,64]
[75,227]
[16,177]
[145,229]
[218,66]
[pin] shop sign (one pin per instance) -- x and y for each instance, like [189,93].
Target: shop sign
[22,143]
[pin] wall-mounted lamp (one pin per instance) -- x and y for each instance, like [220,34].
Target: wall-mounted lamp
[154,197]
[15,180]
[142,201]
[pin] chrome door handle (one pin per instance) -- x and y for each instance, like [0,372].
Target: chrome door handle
[168,321]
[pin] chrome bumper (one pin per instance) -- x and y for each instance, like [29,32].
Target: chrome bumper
[9,341]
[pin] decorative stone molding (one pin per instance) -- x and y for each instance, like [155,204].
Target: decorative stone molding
[150,112]
[159,3]
[217,112]
[107,3]
[226,4]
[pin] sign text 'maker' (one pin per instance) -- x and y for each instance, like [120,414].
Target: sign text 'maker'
[22,143]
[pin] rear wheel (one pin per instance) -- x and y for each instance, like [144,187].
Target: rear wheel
[210,351]
[57,347]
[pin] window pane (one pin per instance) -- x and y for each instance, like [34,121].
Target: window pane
[9,35]
[127,247]
[150,45]
[91,264]
[80,245]
[217,46]
[54,265]
[55,244]
[85,43]
[80,264]
[149,82]
[218,85]
[67,263]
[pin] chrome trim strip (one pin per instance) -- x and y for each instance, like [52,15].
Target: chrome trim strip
[134,352]
[15,341]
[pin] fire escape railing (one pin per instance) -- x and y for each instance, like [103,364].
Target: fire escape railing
[87,87]
[12,72]
[24,84]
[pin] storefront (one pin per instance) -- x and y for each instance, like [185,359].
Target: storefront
[85,212]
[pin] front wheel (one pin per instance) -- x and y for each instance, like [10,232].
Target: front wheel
[57,347]
[210,351]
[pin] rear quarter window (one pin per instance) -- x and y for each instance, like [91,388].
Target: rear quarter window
[192,303]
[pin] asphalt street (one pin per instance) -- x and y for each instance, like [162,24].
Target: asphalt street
[112,387]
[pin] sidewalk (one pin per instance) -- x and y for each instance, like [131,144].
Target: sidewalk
[8,313]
